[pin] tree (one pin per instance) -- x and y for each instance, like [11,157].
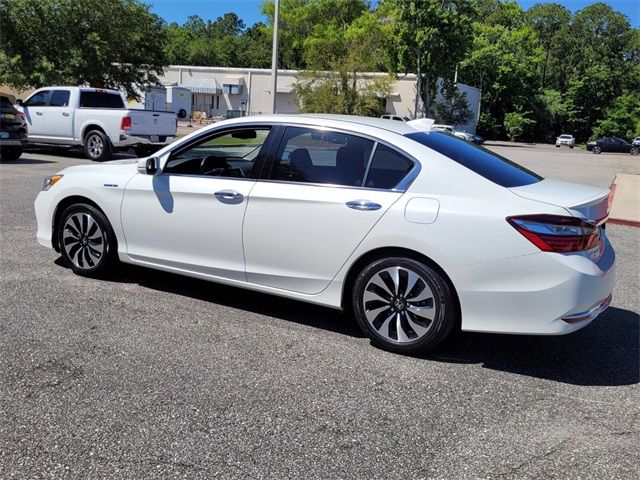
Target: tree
[116,43]
[432,37]
[515,123]
[453,109]
[621,119]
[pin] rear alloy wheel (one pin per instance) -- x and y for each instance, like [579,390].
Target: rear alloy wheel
[634,150]
[97,146]
[86,239]
[403,305]
[597,149]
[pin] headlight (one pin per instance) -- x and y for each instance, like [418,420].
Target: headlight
[50,181]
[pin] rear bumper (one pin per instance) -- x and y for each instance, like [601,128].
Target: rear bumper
[127,141]
[539,294]
[12,142]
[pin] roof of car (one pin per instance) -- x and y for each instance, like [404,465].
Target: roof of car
[400,128]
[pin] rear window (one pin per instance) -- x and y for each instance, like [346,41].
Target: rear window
[490,165]
[101,100]
[5,104]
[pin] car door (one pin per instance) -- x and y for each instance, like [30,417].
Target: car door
[58,116]
[189,217]
[34,108]
[323,193]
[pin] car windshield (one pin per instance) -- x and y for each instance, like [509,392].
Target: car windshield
[565,136]
[484,162]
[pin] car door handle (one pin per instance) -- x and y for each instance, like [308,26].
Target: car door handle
[39,113]
[229,196]
[363,205]
[66,114]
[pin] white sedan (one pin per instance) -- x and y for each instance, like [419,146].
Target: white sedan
[413,232]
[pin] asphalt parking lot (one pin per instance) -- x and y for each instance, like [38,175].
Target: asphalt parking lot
[151,375]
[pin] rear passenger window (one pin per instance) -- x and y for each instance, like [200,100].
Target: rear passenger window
[388,168]
[59,98]
[100,99]
[316,156]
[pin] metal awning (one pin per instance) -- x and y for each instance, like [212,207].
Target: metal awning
[202,85]
[233,80]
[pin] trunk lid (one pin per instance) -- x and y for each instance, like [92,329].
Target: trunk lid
[582,201]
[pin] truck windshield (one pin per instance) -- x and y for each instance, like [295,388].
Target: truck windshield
[98,99]
[484,162]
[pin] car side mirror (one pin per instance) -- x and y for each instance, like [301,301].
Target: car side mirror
[20,102]
[148,166]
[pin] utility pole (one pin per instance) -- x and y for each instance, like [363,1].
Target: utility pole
[274,58]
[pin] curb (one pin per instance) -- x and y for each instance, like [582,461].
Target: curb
[619,221]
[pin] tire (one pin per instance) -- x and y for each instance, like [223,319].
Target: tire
[597,150]
[141,152]
[634,150]
[87,242]
[413,319]
[9,154]
[570,146]
[97,146]
[557,146]
[182,113]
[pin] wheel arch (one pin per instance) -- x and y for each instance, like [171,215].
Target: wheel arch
[62,206]
[383,252]
[90,127]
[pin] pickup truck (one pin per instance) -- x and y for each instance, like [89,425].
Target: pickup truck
[95,119]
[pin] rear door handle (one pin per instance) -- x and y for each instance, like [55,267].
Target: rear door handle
[39,113]
[229,196]
[66,114]
[363,205]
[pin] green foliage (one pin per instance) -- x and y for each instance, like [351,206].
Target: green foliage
[515,123]
[622,118]
[115,43]
[453,108]
[432,36]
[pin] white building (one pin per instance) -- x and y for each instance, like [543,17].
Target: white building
[235,91]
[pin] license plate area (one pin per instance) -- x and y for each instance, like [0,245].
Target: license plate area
[154,138]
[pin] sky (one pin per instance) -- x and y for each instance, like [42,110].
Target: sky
[250,10]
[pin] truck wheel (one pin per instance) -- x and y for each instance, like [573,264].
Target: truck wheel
[10,153]
[97,146]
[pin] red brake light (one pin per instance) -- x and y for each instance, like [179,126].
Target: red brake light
[554,233]
[20,115]
[126,123]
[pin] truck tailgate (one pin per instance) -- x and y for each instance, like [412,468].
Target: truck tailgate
[149,122]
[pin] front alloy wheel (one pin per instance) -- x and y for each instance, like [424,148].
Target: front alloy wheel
[597,149]
[403,306]
[86,240]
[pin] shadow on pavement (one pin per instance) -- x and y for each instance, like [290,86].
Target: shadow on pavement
[74,152]
[26,161]
[605,353]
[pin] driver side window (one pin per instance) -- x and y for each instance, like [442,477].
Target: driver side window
[228,154]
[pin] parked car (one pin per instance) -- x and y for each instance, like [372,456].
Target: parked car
[565,139]
[410,230]
[13,130]
[612,144]
[469,137]
[95,119]
[399,118]
[636,141]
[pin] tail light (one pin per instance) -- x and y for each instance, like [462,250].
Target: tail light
[125,124]
[20,115]
[554,233]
